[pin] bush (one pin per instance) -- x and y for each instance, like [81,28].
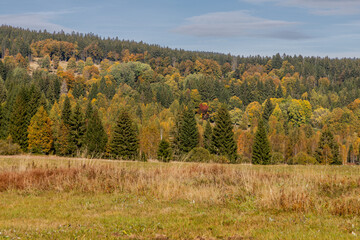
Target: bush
[164,152]
[303,159]
[198,154]
[277,158]
[243,159]
[9,148]
[220,159]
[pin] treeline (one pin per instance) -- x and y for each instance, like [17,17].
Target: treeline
[64,97]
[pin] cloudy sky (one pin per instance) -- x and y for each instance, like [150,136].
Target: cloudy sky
[240,27]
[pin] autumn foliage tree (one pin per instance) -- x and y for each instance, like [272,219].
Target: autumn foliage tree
[40,133]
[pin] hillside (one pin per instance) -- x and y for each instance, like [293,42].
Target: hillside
[82,95]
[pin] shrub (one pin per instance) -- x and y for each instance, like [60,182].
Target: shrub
[277,158]
[164,151]
[9,148]
[303,159]
[198,154]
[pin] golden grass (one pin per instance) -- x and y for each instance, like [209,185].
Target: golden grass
[316,189]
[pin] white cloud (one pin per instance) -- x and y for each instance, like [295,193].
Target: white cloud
[238,24]
[320,7]
[34,21]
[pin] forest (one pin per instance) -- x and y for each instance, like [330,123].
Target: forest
[83,95]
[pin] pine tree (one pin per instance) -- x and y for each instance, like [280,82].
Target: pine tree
[24,108]
[261,153]
[77,130]
[66,112]
[207,136]
[268,109]
[223,142]
[124,143]
[93,91]
[3,123]
[96,138]
[279,92]
[164,152]
[188,132]
[3,91]
[328,150]
[40,134]
[89,111]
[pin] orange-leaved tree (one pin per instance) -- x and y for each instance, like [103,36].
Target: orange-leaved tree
[40,134]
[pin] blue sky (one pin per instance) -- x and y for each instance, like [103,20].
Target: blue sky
[240,27]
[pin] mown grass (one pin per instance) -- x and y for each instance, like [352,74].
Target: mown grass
[59,198]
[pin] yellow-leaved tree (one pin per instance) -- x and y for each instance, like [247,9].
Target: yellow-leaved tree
[40,134]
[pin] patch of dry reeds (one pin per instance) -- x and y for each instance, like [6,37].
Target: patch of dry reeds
[272,188]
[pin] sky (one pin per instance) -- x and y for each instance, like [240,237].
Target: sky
[239,27]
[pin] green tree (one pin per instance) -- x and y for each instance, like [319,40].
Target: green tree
[207,135]
[40,134]
[77,130]
[261,153]
[25,106]
[66,112]
[164,152]
[279,92]
[188,131]
[124,143]
[3,91]
[223,142]
[268,109]
[96,138]
[327,151]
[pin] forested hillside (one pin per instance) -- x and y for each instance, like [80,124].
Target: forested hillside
[83,95]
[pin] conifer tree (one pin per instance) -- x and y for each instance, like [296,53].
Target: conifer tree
[124,143]
[18,119]
[188,132]
[261,153]
[66,112]
[96,138]
[279,92]
[40,134]
[3,123]
[77,130]
[89,111]
[223,142]
[3,91]
[164,152]
[268,109]
[207,136]
[350,156]
[328,150]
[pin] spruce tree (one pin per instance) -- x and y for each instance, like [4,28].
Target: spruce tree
[3,123]
[164,152]
[207,136]
[279,92]
[96,138]
[261,153]
[328,150]
[40,133]
[188,132]
[20,119]
[77,130]
[223,142]
[350,156]
[124,143]
[3,91]
[268,109]
[66,112]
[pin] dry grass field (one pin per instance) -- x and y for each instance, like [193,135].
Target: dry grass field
[60,198]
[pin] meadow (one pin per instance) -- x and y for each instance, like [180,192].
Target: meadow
[47,197]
